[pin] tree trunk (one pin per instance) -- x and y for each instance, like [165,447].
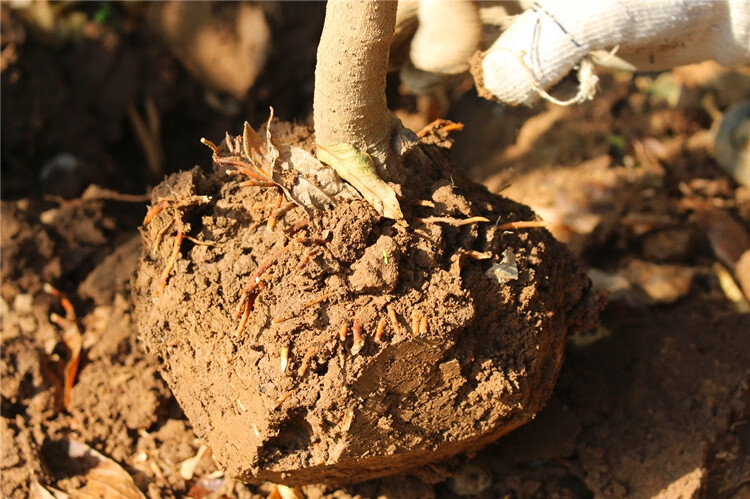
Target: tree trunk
[349,102]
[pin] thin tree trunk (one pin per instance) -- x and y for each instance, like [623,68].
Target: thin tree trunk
[349,102]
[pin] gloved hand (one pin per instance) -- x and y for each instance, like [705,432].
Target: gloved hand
[551,37]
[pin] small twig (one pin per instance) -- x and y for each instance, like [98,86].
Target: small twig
[283,399]
[423,325]
[241,167]
[279,199]
[380,329]
[522,225]
[172,260]
[394,319]
[70,311]
[257,183]
[155,210]
[478,255]
[452,221]
[317,300]
[230,144]
[199,242]
[423,202]
[94,193]
[343,332]
[255,277]
[309,253]
[284,358]
[211,145]
[305,360]
[245,316]
[359,341]
[320,241]
[279,212]
[415,319]
[71,337]
[149,137]
[440,126]
[296,228]
[160,236]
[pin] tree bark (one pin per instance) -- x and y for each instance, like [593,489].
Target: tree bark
[349,102]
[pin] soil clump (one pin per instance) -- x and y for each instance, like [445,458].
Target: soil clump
[291,394]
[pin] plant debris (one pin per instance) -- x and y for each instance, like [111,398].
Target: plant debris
[358,168]
[71,337]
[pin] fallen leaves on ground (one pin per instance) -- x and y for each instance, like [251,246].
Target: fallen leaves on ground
[102,476]
[316,185]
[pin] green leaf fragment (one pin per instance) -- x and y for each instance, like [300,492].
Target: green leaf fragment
[357,168]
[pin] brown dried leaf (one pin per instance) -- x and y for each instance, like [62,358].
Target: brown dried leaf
[728,238]
[302,177]
[357,168]
[39,491]
[252,145]
[271,151]
[103,477]
[260,153]
[315,186]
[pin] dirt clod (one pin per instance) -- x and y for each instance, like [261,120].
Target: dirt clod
[472,360]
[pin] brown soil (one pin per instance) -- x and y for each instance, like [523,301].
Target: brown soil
[485,363]
[655,403]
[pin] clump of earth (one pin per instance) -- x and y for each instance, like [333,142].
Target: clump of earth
[335,345]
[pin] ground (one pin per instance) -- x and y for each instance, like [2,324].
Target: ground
[654,402]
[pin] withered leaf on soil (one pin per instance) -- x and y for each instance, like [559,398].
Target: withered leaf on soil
[260,152]
[315,186]
[103,477]
[358,168]
[39,491]
[303,178]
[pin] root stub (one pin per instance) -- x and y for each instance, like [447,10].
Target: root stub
[484,363]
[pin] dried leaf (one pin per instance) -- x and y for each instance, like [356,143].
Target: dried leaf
[728,238]
[252,146]
[272,152]
[39,491]
[357,168]
[103,477]
[315,186]
[259,152]
[732,292]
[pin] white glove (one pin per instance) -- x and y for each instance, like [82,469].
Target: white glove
[553,36]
